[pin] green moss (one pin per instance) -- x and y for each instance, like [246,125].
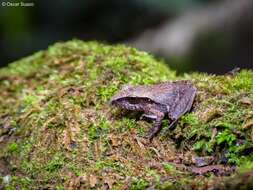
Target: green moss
[12,147]
[126,124]
[166,186]
[30,100]
[99,129]
[61,127]
[168,167]
[139,184]
[242,82]
[106,92]
[56,163]
[16,181]
[29,66]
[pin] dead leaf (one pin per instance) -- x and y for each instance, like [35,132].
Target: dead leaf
[50,120]
[202,161]
[98,146]
[155,151]
[249,115]
[69,136]
[246,100]
[140,143]
[93,180]
[105,187]
[211,113]
[85,143]
[214,133]
[66,139]
[251,135]
[3,138]
[216,169]
[75,182]
[155,165]
[151,187]
[109,181]
[114,140]
[248,124]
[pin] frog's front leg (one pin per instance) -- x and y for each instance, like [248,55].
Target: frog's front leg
[157,125]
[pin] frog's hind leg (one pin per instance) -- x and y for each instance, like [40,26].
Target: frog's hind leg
[157,125]
[172,125]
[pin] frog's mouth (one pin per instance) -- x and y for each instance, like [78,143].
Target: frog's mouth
[131,103]
[126,103]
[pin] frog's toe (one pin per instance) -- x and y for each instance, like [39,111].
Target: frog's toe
[153,132]
[150,136]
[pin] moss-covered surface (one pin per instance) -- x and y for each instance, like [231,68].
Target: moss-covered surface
[58,131]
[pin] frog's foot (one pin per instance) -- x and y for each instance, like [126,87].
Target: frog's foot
[156,129]
[153,132]
[158,115]
[171,126]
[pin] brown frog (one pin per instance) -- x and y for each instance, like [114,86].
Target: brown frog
[167,99]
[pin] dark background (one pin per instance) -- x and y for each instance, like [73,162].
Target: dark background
[24,30]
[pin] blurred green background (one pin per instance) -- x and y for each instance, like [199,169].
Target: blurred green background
[214,47]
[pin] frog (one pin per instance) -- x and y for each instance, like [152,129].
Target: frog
[170,99]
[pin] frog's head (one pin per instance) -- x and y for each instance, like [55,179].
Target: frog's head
[123,93]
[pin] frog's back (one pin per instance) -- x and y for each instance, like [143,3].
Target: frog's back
[166,93]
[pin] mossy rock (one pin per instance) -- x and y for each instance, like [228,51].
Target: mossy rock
[57,130]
